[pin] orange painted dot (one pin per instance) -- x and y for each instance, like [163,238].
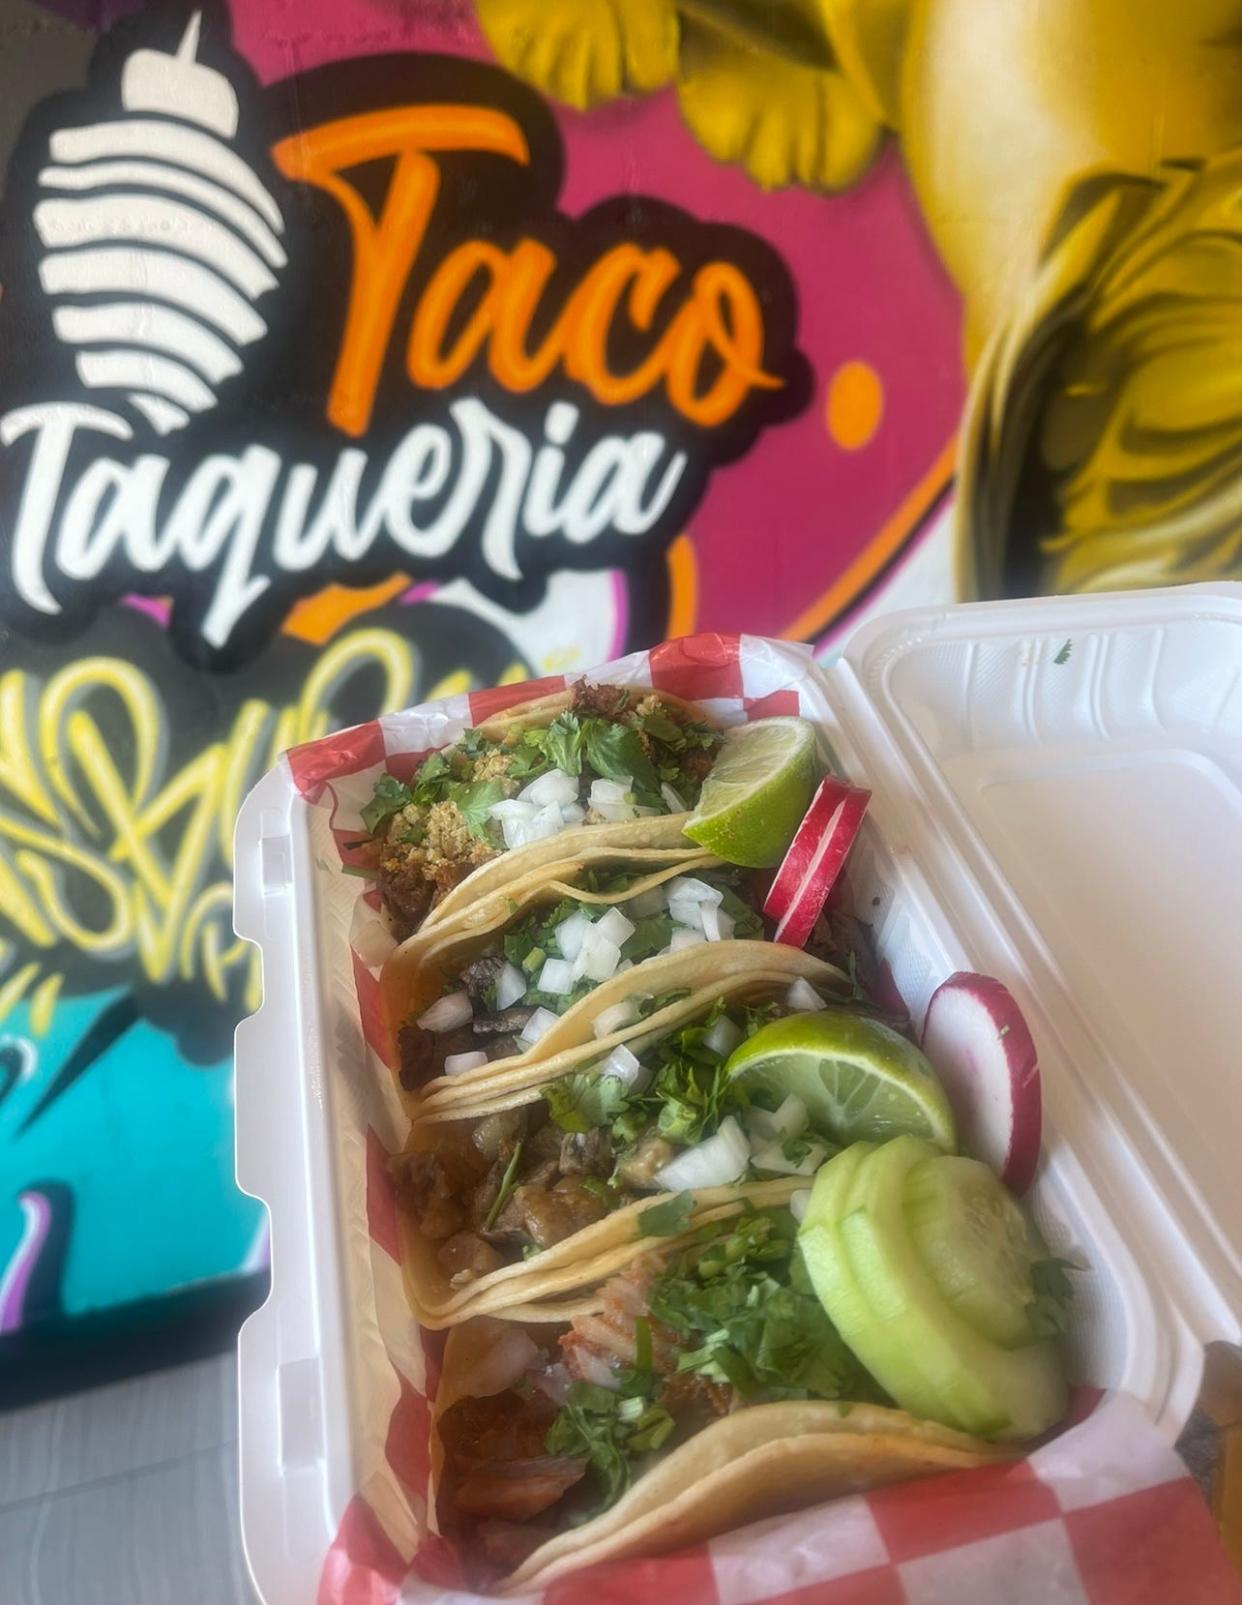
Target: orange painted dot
[855,405]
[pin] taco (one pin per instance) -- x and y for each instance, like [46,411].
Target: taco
[466,1000]
[589,766]
[560,1160]
[704,1387]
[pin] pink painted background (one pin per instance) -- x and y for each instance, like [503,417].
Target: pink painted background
[777,528]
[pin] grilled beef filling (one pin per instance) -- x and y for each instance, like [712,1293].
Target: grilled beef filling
[429,834]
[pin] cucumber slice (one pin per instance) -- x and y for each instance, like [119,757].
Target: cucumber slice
[977,1246]
[827,1263]
[980,1387]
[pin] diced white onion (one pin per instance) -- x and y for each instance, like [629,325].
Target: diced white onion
[712,1163]
[612,1019]
[611,791]
[523,821]
[624,1064]
[554,1380]
[547,822]
[539,1024]
[569,934]
[615,813]
[516,820]
[717,925]
[798,1202]
[686,912]
[595,1368]
[690,889]
[556,976]
[504,1363]
[455,1063]
[511,985]
[572,814]
[512,808]
[613,800]
[615,926]
[554,787]
[652,901]
[598,958]
[803,998]
[448,1012]
[682,938]
[771,1158]
[723,1037]
[790,1120]
[370,938]
[672,798]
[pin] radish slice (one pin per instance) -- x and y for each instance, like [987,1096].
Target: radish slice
[980,1047]
[813,862]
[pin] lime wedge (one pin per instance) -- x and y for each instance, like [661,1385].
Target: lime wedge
[757,792]
[860,1080]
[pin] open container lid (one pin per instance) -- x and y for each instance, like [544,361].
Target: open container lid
[1067,774]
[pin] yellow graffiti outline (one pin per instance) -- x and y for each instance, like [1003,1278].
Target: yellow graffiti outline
[174,912]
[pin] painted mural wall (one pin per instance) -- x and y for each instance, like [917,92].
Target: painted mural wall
[356,353]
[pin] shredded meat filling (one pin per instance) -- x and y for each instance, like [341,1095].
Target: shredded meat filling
[608,1336]
[496,1461]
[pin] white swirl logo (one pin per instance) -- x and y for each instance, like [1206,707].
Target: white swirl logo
[156,212]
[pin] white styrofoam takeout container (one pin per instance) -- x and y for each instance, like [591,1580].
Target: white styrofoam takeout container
[1057,801]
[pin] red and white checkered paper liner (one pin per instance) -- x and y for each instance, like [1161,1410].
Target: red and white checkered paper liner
[1104,1514]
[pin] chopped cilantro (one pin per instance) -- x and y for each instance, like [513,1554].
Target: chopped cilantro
[739,1305]
[615,752]
[589,1426]
[1063,655]
[433,775]
[648,1006]
[507,1183]
[388,798]
[661,728]
[473,743]
[1054,1292]
[561,743]
[525,763]
[651,935]
[668,1218]
[584,1102]
[474,798]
